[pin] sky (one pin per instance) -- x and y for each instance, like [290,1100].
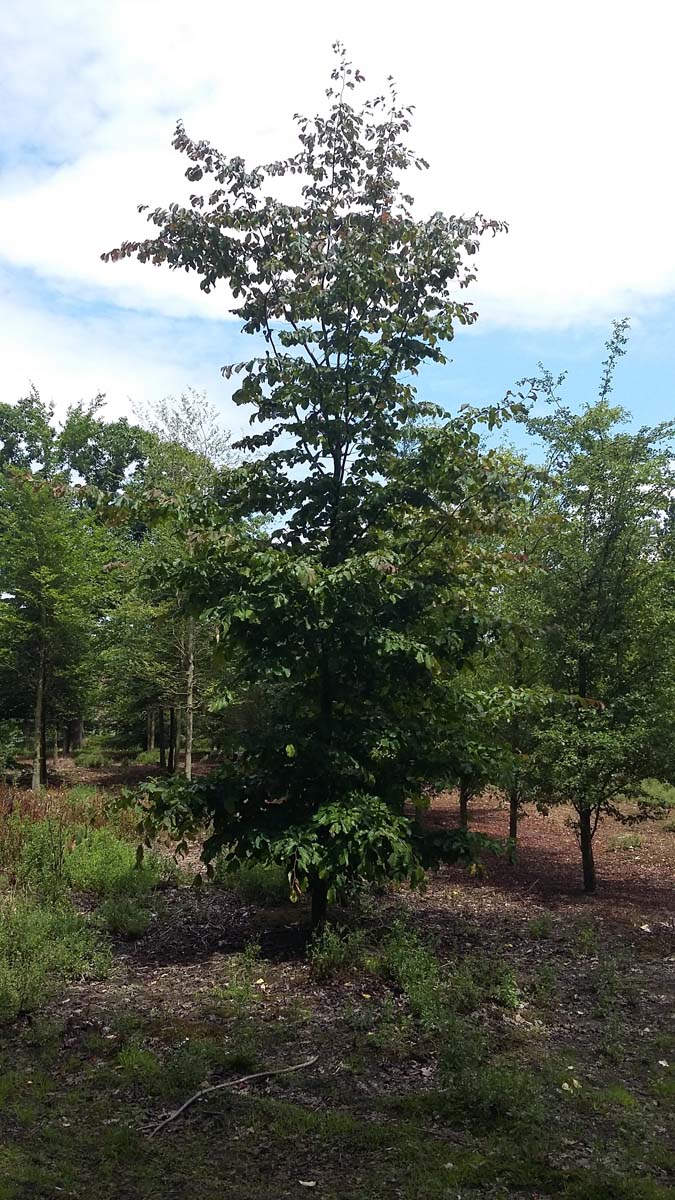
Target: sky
[554,117]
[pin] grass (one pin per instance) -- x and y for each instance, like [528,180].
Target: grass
[41,949]
[627,841]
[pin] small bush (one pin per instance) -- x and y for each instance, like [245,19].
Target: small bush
[254,883]
[92,759]
[82,791]
[124,916]
[101,862]
[41,948]
[334,951]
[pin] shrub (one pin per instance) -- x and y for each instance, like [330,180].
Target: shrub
[41,948]
[11,745]
[254,883]
[335,950]
[101,862]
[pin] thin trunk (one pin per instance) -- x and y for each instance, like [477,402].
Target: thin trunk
[77,733]
[43,737]
[464,797]
[39,765]
[56,746]
[176,753]
[171,765]
[319,904]
[514,809]
[190,694]
[66,739]
[586,842]
[161,738]
[150,729]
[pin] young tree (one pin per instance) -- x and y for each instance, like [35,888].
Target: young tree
[608,619]
[334,565]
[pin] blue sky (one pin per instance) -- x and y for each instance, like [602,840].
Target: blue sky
[552,117]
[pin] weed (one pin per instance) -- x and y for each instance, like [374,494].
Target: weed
[42,859]
[417,972]
[39,949]
[626,841]
[587,938]
[500,1095]
[147,758]
[140,1068]
[609,985]
[542,984]
[124,916]
[334,951]
[541,927]
[254,883]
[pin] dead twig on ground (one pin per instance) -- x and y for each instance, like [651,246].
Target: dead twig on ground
[229,1083]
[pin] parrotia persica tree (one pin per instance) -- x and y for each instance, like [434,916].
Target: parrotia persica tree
[606,602]
[336,563]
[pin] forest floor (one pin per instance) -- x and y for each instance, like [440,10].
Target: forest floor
[497,1037]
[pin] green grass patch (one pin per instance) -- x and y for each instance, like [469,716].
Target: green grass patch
[42,948]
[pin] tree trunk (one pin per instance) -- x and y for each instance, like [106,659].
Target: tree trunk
[56,746]
[150,729]
[464,797]
[190,696]
[586,842]
[77,733]
[319,904]
[161,738]
[176,752]
[66,739]
[514,807]
[171,765]
[39,778]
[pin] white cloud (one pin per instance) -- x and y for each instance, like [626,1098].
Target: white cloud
[554,117]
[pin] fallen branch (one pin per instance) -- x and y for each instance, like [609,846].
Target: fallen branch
[216,1087]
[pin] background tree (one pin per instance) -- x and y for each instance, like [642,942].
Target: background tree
[607,636]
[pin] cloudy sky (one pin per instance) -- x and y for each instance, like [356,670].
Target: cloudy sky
[555,117]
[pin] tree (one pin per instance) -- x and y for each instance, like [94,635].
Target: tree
[345,617]
[51,560]
[608,616]
[52,553]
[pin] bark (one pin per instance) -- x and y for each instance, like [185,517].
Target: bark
[464,797]
[319,904]
[190,693]
[171,765]
[66,740]
[39,778]
[586,842]
[77,733]
[161,738]
[56,746]
[150,729]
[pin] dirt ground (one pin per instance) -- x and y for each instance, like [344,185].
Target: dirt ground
[595,1004]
